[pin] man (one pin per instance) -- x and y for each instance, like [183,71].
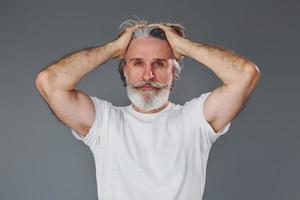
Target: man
[151,149]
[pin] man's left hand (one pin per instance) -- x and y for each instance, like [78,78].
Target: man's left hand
[178,44]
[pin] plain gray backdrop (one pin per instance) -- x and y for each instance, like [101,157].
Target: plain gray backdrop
[258,158]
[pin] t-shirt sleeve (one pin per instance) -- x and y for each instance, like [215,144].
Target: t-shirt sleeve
[196,109]
[98,127]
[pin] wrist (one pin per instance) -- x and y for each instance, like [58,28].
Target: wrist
[186,48]
[112,50]
[192,48]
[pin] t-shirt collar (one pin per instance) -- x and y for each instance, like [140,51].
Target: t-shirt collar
[149,115]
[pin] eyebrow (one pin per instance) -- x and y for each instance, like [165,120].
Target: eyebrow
[155,59]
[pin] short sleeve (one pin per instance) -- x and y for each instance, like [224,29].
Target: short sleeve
[93,136]
[196,109]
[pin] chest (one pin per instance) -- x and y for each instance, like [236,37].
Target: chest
[161,148]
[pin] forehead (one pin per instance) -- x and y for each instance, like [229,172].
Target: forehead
[149,48]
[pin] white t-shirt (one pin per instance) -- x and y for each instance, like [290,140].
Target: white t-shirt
[160,156]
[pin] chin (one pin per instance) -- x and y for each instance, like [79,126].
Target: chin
[148,99]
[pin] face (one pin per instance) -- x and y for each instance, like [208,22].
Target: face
[149,72]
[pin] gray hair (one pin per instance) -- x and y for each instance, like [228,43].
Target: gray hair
[155,32]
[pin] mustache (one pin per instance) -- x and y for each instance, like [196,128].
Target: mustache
[143,83]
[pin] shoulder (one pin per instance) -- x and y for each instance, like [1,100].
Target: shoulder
[195,105]
[102,104]
[190,111]
[105,107]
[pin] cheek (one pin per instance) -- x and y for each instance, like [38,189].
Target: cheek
[165,76]
[133,75]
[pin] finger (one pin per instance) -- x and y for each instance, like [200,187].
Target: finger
[131,29]
[161,26]
[165,26]
[137,26]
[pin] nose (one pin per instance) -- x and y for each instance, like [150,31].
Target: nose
[148,73]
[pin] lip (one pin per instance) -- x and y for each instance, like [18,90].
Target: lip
[147,87]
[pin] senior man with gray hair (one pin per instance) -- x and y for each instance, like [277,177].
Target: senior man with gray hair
[152,149]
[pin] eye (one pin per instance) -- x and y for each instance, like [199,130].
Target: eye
[158,64]
[137,63]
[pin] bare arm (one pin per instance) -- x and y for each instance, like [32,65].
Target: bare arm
[239,75]
[66,73]
[56,82]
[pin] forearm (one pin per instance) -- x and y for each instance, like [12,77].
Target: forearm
[228,66]
[67,72]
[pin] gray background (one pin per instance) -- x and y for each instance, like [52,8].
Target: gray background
[257,159]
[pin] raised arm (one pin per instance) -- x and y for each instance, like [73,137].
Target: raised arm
[239,75]
[56,83]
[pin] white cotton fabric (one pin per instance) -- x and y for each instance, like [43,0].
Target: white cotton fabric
[160,156]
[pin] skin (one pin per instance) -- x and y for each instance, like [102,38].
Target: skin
[239,75]
[56,83]
[148,59]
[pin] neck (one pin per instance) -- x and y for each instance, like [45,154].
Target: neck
[151,111]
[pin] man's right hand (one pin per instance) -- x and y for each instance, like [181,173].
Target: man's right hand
[121,43]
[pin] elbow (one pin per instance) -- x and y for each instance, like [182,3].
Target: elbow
[41,81]
[252,76]
[254,72]
[251,73]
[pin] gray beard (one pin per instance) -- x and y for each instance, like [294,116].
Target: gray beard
[148,100]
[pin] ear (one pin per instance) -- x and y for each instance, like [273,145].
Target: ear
[173,73]
[174,76]
[125,70]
